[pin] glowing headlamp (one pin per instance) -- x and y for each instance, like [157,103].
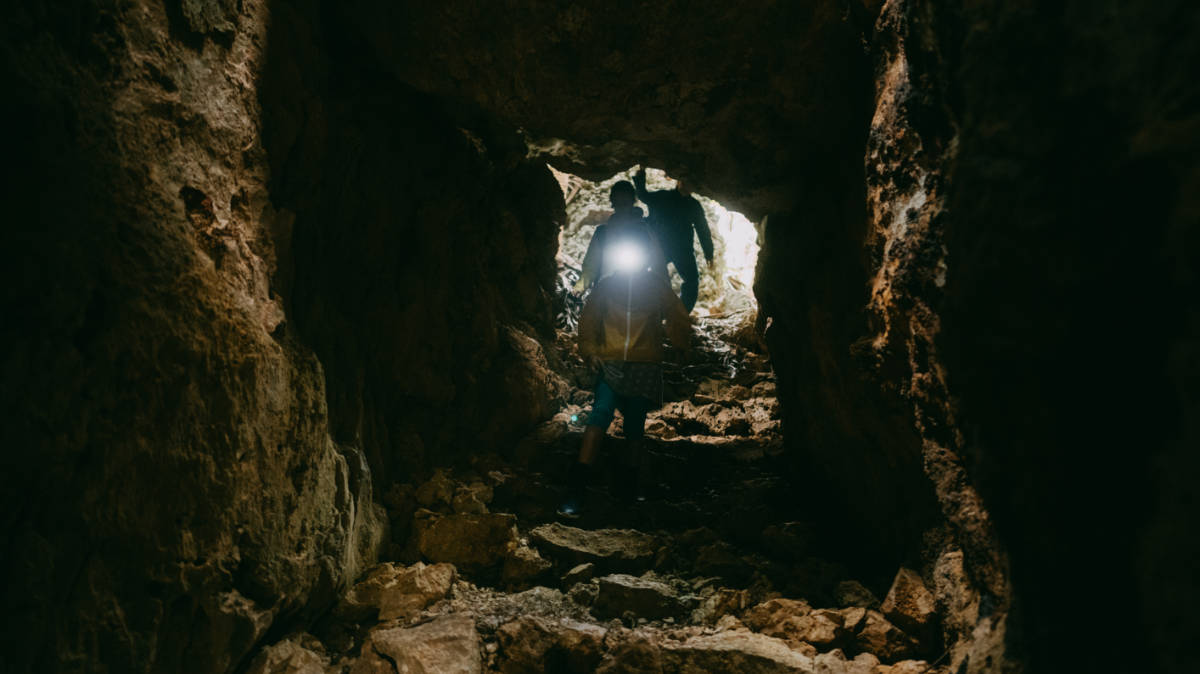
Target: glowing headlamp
[628,256]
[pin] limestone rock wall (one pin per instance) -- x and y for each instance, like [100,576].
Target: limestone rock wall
[175,485]
[1068,328]
[424,244]
[1031,180]
[170,489]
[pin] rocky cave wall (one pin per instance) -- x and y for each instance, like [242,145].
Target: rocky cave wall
[170,488]
[943,245]
[247,289]
[423,251]
[1068,327]
[267,259]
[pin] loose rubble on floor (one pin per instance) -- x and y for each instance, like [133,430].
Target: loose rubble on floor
[707,575]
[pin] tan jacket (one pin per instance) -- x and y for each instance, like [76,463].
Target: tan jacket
[623,318]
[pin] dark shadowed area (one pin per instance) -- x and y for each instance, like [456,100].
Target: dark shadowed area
[289,375]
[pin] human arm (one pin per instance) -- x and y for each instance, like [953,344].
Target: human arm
[591,261]
[639,184]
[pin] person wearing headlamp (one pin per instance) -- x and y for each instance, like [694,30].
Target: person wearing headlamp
[621,333]
[625,242]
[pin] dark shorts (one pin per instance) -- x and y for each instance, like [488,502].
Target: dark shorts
[633,410]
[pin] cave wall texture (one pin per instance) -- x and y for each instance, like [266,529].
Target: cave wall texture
[267,257]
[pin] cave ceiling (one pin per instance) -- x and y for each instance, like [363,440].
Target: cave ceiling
[742,99]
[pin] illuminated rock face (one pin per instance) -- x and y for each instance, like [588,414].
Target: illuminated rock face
[267,258]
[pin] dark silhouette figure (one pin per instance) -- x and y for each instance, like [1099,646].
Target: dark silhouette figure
[621,334]
[626,224]
[674,215]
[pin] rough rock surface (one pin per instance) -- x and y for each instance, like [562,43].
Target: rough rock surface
[523,566]
[735,650]
[396,592]
[853,593]
[879,636]
[796,622]
[447,645]
[620,594]
[265,255]
[609,549]
[289,657]
[580,573]
[468,541]
[909,604]
[171,487]
[532,644]
[700,111]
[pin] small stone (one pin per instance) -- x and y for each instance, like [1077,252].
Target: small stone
[835,662]
[288,657]
[853,593]
[581,573]
[728,622]
[904,667]
[910,605]
[639,653]
[437,491]
[583,594]
[883,639]
[774,612]
[853,619]
[620,593]
[524,565]
[468,502]
[719,603]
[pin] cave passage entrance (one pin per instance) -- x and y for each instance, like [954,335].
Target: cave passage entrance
[726,288]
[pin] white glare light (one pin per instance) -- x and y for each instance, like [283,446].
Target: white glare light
[628,256]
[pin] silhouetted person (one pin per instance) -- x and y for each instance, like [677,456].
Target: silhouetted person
[626,222]
[621,333]
[674,215]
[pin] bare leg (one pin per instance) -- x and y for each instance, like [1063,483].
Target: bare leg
[592,438]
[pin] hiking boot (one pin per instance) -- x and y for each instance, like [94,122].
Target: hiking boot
[569,509]
[578,478]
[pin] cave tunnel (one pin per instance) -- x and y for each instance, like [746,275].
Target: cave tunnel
[291,382]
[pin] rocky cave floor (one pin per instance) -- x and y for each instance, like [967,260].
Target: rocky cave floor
[714,572]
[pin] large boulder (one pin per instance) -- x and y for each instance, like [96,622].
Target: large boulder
[398,592]
[734,651]
[536,644]
[910,605]
[795,622]
[447,645]
[620,550]
[469,541]
[620,594]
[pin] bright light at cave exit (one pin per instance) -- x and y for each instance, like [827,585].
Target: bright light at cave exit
[739,254]
[741,242]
